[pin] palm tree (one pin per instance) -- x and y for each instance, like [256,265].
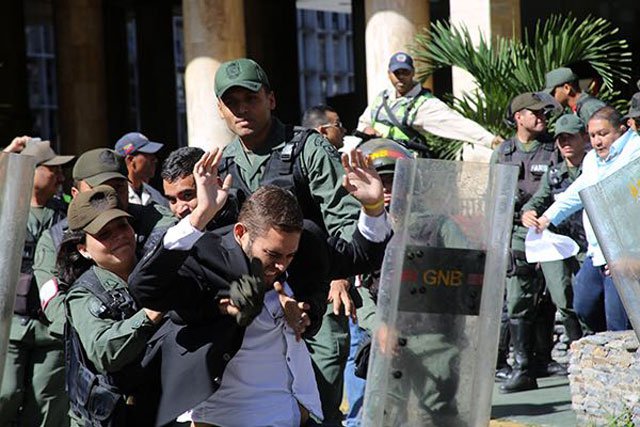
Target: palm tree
[505,67]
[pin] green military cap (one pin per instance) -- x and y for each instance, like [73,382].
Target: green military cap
[98,166]
[529,101]
[634,108]
[557,77]
[569,123]
[44,154]
[92,210]
[243,72]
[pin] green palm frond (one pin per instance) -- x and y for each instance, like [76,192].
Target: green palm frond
[504,67]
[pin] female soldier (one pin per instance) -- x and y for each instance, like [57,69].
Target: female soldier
[106,333]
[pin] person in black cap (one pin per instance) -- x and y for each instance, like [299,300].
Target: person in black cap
[140,158]
[33,382]
[409,111]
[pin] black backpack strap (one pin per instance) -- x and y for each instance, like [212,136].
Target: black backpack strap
[404,127]
[57,233]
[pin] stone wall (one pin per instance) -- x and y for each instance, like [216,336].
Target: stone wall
[604,373]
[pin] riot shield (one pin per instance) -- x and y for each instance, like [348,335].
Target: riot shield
[16,181]
[613,208]
[435,340]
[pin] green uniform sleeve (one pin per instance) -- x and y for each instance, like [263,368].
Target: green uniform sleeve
[542,199]
[109,344]
[44,261]
[494,156]
[321,164]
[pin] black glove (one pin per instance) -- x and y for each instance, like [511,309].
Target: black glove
[247,294]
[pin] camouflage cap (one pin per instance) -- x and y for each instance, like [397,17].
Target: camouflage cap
[530,101]
[92,210]
[98,166]
[634,107]
[569,123]
[44,154]
[242,72]
[557,77]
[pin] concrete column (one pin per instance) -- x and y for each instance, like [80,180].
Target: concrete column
[213,33]
[82,118]
[486,18]
[390,26]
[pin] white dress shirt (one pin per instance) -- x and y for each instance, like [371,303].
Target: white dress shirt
[148,196]
[594,169]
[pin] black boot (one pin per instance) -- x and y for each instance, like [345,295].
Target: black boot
[543,364]
[522,377]
[503,369]
[572,328]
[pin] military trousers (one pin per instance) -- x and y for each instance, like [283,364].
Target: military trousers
[558,277]
[32,392]
[524,286]
[329,350]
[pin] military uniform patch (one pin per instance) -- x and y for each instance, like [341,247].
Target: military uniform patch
[233,70]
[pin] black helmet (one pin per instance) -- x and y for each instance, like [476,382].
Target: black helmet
[384,153]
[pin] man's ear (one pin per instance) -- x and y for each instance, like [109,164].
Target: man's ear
[272,100]
[220,107]
[74,191]
[240,232]
[322,130]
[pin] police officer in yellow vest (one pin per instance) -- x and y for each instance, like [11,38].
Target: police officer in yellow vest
[408,111]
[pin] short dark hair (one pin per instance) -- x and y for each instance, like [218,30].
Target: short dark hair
[271,207]
[316,116]
[609,114]
[180,163]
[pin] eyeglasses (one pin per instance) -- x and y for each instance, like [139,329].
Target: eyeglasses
[337,124]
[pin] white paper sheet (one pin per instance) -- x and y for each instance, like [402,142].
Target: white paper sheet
[548,246]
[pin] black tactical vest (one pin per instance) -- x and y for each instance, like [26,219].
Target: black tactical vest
[283,170]
[532,165]
[559,181]
[97,398]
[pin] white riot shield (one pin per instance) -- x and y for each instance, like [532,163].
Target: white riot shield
[613,208]
[16,182]
[434,346]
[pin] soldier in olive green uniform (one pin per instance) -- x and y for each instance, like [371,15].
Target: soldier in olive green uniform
[532,155]
[265,151]
[107,332]
[571,140]
[32,391]
[94,167]
[562,84]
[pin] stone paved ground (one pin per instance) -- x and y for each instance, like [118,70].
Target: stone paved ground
[550,405]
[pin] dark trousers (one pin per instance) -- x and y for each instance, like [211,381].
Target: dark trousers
[596,300]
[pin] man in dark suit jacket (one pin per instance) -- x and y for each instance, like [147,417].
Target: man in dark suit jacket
[198,285]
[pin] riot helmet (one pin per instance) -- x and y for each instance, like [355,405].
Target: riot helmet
[384,153]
